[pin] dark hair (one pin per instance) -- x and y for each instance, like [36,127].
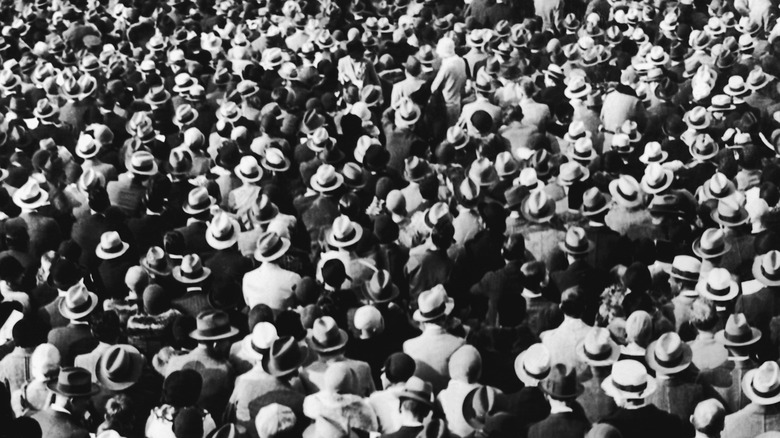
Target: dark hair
[703,315]
[419,410]
[442,235]
[511,309]
[769,192]
[106,326]
[120,414]
[571,302]
[534,273]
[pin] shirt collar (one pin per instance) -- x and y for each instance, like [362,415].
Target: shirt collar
[530,294]
[60,409]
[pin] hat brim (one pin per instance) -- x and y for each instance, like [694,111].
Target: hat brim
[103,255]
[317,347]
[276,255]
[69,314]
[585,175]
[522,374]
[269,367]
[195,334]
[609,388]
[617,197]
[52,385]
[152,171]
[720,337]
[655,190]
[192,211]
[395,292]
[652,361]
[750,393]
[86,156]
[40,202]
[759,275]
[562,246]
[419,317]
[698,251]
[245,178]
[131,379]
[613,356]
[331,240]
[743,218]
[148,268]
[264,163]
[223,244]
[646,160]
[323,189]
[701,288]
[578,391]
[550,205]
[187,280]
[413,396]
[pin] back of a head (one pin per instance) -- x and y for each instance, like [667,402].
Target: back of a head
[703,314]
[442,235]
[572,302]
[511,310]
[45,361]
[188,423]
[637,277]
[708,417]
[106,327]
[639,328]
[535,273]
[465,364]
[182,388]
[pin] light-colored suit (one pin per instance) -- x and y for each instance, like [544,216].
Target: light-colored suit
[431,351]
[562,341]
[270,285]
[534,113]
[752,421]
[708,354]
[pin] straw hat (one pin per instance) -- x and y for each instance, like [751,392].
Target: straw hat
[656,179]
[711,244]
[719,287]
[433,304]
[626,191]
[576,242]
[111,246]
[762,385]
[191,270]
[737,332]
[533,364]
[537,207]
[768,271]
[271,246]
[344,232]
[669,354]
[597,348]
[630,380]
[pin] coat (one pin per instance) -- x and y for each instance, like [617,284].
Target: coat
[71,341]
[649,422]
[425,269]
[496,284]
[251,386]
[591,280]
[529,405]
[56,424]
[431,351]
[562,341]
[562,425]
[218,378]
[727,382]
[752,421]
[270,285]
[679,394]
[594,401]
[44,232]
[610,248]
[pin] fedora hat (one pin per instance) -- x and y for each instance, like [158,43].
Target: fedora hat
[213,325]
[157,97]
[537,207]
[191,270]
[711,244]
[344,232]
[582,151]
[142,163]
[768,271]
[698,118]
[762,385]
[533,364]
[484,82]
[325,336]
[736,87]
[704,148]
[261,339]
[222,232]
[631,129]
[417,389]
[30,196]
[407,113]
[478,405]
[180,161]
[267,210]
[685,268]
[653,153]
[320,139]
[540,161]
[73,382]
[528,179]
[669,354]
[719,286]
[729,213]
[78,302]
[248,170]
[506,165]
[594,202]
[86,146]
[561,383]
[571,172]
[156,261]
[621,143]
[625,191]
[629,379]
[111,246]
[576,131]
[416,169]
[229,111]
[656,179]
[482,172]
[274,160]
[312,121]
[182,82]
[576,242]
[666,89]
[247,88]
[285,357]
[658,56]
[44,110]
[119,367]
[355,177]
[433,304]
[439,212]
[737,332]
[597,348]
[271,246]
[272,58]
[185,115]
[198,201]
[457,137]
[757,79]
[380,289]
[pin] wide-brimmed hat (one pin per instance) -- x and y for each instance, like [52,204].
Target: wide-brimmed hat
[260,341]
[625,191]
[571,172]
[111,246]
[711,244]
[736,87]
[275,160]
[325,336]
[185,115]
[576,131]
[73,382]
[157,97]
[597,348]
[757,79]
[704,148]
[44,110]
[248,170]
[669,354]
[533,364]
[198,201]
[355,177]
[729,213]
[222,231]
[417,389]
[191,270]
[767,272]
[319,140]
[762,385]
[267,210]
[156,261]
[582,151]
[30,196]
[285,357]
[416,169]
[576,242]
[433,304]
[528,179]
[578,88]
[685,268]
[213,325]
[119,367]
[271,246]
[653,153]
[478,405]
[698,118]
[482,172]
[594,202]
[656,179]
[344,232]
[326,179]
[439,212]
[721,103]
[180,161]
[630,380]
[538,207]
[380,289]
[78,302]
[312,121]
[142,163]
[737,332]
[561,383]
[719,287]
[457,137]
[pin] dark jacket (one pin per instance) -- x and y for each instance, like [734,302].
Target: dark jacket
[591,280]
[72,340]
[649,422]
[56,424]
[610,248]
[561,425]
[594,401]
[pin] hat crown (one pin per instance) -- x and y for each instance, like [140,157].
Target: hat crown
[620,140]
[597,342]
[583,146]
[655,173]
[319,136]
[737,326]
[221,226]
[712,239]
[191,264]
[686,264]
[576,237]
[74,377]
[263,335]
[718,183]
[274,156]
[767,378]
[719,279]
[248,165]
[30,190]
[367,318]
[209,320]
[325,331]
[77,296]
[118,362]
[593,198]
[653,149]
[629,373]
[528,177]
[433,299]
[537,360]
[268,242]
[110,240]
[728,207]
[198,196]
[770,262]
[669,347]
[455,134]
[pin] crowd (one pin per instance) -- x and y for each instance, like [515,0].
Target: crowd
[395,218]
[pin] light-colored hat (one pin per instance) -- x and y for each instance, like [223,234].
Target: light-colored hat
[686,268]
[577,130]
[537,207]
[344,232]
[653,153]
[30,195]
[271,246]
[576,242]
[737,332]
[669,354]
[718,187]
[583,150]
[629,380]
[736,87]
[86,146]
[704,148]
[578,88]
[594,202]
[191,270]
[407,113]
[262,338]
[571,172]
[248,169]
[326,179]
[768,271]
[625,191]
[762,385]
[482,172]
[78,302]
[729,213]
[222,231]
[533,364]
[529,179]
[719,287]
[368,320]
[198,201]
[597,348]
[656,179]
[111,246]
[711,244]
[433,304]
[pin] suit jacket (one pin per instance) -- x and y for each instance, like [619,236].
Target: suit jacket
[752,421]
[633,224]
[540,313]
[759,309]
[425,269]
[563,425]
[228,265]
[148,231]
[50,314]
[312,376]
[529,405]
[594,401]
[86,232]
[649,422]
[195,239]
[495,284]
[726,380]
[112,275]
[708,353]
[562,342]
[72,340]
[679,394]
[44,232]
[619,105]
[431,351]
[55,424]
[610,248]
[127,195]
[591,280]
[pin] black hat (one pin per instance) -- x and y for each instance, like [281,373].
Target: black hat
[182,388]
[334,273]
[385,229]
[399,367]
[637,277]
[64,274]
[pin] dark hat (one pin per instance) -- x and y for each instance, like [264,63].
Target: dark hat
[637,277]
[333,273]
[478,405]
[155,300]
[182,388]
[385,229]
[188,423]
[481,121]
[285,357]
[27,333]
[399,367]
[73,382]
[288,323]
[561,383]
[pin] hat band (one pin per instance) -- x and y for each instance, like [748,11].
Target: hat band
[627,196]
[144,166]
[581,247]
[436,311]
[659,183]
[33,198]
[718,292]
[83,307]
[630,388]
[254,173]
[202,204]
[591,208]
[773,276]
[227,235]
[739,337]
[582,154]
[537,376]
[671,362]
[256,349]
[273,249]
[713,250]
[197,273]
[691,276]
[578,90]
[214,331]
[115,248]
[767,394]
[157,264]
[655,158]
[731,217]
[602,355]
[348,236]
[81,388]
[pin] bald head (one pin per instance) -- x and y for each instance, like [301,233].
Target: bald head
[708,417]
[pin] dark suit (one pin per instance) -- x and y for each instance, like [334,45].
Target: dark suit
[560,425]
[591,280]
[50,314]
[195,238]
[44,232]
[72,340]
[112,276]
[594,401]
[679,394]
[494,285]
[610,248]
[56,424]
[148,231]
[192,303]
[540,313]
[649,422]
[228,265]
[529,405]
[759,309]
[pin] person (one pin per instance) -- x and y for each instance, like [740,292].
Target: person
[709,418]
[66,414]
[678,390]
[397,370]
[561,341]
[75,338]
[599,352]
[759,416]
[561,389]
[416,403]
[34,395]
[181,390]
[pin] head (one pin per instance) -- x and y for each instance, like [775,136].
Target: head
[413,409]
[45,362]
[535,274]
[572,304]
[639,328]
[119,414]
[703,315]
[106,327]
[465,364]
[708,418]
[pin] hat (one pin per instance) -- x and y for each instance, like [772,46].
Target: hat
[78,302]
[621,143]
[704,148]
[721,103]
[326,179]
[541,164]
[576,242]
[198,201]
[30,196]
[119,367]
[213,325]
[719,286]
[669,354]
[407,113]
[262,337]
[142,163]
[73,382]
[762,385]
[737,332]
[571,172]
[417,389]
[583,151]
[380,289]
[533,364]
[478,404]
[537,207]
[768,270]
[433,304]
[656,179]
[594,202]
[729,213]
[653,153]
[285,357]
[155,299]
[711,244]
[577,88]
[757,79]
[191,270]
[271,246]
[576,131]
[222,232]
[685,268]
[528,179]
[156,261]
[698,118]
[736,87]
[111,246]
[625,191]
[482,172]
[344,232]
[629,379]
[561,383]
[399,367]
[248,170]
[44,110]
[597,348]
